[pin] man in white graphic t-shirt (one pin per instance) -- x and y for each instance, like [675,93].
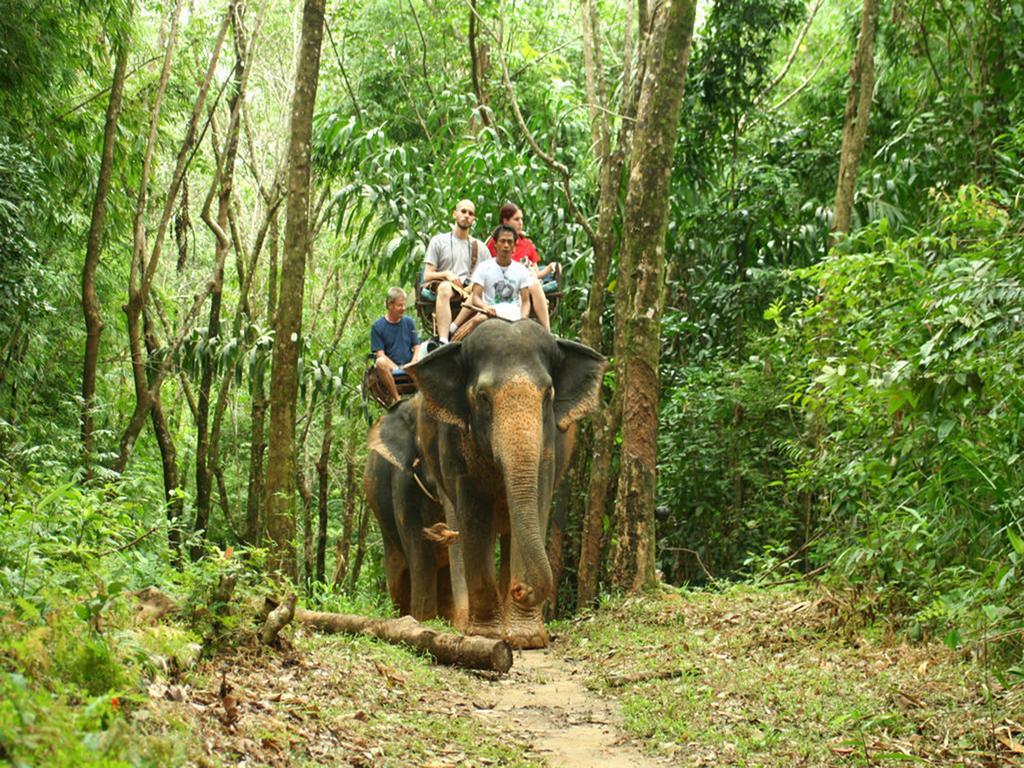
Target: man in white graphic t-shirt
[500,286]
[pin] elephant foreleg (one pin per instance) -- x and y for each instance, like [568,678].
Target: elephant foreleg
[457,571]
[504,549]
[477,535]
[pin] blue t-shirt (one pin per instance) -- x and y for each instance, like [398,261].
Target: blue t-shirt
[396,339]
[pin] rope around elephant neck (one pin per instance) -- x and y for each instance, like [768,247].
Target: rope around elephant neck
[416,476]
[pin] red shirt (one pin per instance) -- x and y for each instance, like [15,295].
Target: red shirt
[524,252]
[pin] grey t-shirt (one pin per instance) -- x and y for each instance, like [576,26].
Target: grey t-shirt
[447,253]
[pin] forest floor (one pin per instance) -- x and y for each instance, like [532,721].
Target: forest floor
[741,677]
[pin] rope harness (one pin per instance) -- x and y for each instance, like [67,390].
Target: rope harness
[419,482]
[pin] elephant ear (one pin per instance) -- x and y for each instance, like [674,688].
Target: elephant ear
[577,379]
[393,437]
[441,379]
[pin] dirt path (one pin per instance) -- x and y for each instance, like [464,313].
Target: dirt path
[566,724]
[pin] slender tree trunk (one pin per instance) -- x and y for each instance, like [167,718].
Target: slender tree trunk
[142,272]
[357,561]
[133,309]
[855,118]
[641,276]
[225,179]
[605,428]
[348,519]
[306,495]
[94,245]
[254,494]
[255,499]
[168,457]
[323,486]
[478,65]
[605,423]
[284,382]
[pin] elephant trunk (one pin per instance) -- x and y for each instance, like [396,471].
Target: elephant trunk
[531,581]
[519,451]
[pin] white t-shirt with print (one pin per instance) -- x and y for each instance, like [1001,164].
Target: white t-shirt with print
[502,286]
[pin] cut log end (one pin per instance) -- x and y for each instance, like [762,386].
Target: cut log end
[278,619]
[154,605]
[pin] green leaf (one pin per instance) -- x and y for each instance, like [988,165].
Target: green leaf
[952,639]
[1015,541]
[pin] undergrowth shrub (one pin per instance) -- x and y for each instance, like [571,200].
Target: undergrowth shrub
[75,656]
[721,447]
[906,364]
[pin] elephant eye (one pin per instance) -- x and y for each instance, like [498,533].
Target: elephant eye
[549,395]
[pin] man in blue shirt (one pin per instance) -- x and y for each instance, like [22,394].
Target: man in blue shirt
[393,340]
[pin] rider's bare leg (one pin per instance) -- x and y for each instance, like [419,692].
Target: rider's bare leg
[540,304]
[443,309]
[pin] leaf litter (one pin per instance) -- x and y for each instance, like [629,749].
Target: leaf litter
[736,678]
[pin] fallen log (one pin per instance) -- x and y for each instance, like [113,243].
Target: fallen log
[469,651]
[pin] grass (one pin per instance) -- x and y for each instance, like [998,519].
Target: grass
[125,693]
[741,677]
[771,678]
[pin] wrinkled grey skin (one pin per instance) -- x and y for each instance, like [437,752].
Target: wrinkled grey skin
[416,569]
[495,426]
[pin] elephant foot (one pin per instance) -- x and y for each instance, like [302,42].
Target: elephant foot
[488,629]
[524,629]
[527,639]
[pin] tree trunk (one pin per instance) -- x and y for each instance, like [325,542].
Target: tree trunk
[168,458]
[855,118]
[306,495]
[606,425]
[94,245]
[222,245]
[133,309]
[284,381]
[142,272]
[323,487]
[357,561]
[478,65]
[601,445]
[341,559]
[641,280]
[255,498]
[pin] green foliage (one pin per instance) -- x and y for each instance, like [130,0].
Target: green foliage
[22,198]
[906,366]
[397,197]
[721,443]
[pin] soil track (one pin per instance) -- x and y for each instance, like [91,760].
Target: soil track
[569,726]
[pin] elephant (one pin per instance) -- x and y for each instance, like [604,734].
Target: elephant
[404,501]
[495,426]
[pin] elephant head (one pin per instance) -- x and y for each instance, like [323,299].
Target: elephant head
[512,393]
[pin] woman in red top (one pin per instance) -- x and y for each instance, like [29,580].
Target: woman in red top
[512,215]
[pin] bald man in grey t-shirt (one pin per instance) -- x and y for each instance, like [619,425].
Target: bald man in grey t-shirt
[450,261]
